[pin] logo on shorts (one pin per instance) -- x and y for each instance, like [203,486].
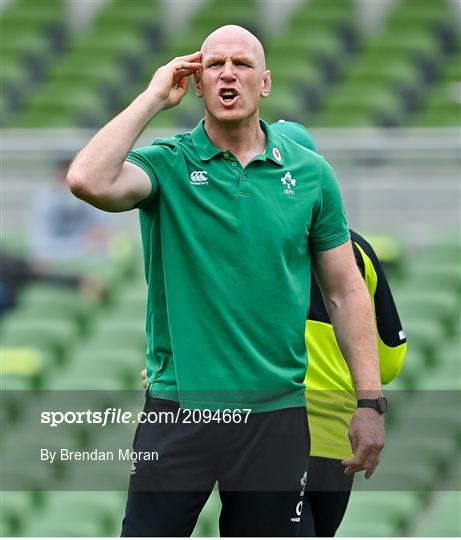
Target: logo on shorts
[199,178]
[289,182]
[299,506]
[133,468]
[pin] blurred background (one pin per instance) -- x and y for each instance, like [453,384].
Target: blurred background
[378,82]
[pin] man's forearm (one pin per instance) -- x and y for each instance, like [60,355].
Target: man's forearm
[99,163]
[353,320]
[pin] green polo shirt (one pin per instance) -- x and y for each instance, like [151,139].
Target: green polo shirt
[227,262]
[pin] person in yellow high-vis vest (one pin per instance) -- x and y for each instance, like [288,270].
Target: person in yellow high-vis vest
[330,393]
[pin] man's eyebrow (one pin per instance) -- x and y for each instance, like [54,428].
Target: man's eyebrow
[245,59]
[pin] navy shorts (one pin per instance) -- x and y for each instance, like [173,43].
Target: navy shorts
[259,467]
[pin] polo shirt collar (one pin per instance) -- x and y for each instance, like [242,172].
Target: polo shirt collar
[273,144]
[207,150]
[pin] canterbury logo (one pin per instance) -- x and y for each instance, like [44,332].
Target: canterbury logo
[199,178]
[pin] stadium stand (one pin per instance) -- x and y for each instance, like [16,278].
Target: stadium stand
[337,74]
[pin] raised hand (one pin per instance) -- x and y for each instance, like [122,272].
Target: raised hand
[170,82]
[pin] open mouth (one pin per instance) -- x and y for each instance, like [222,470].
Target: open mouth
[228,96]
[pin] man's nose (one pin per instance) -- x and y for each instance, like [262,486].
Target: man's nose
[228,72]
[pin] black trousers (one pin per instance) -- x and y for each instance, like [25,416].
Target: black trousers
[326,497]
[259,467]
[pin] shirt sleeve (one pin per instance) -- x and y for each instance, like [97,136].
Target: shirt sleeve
[145,158]
[329,227]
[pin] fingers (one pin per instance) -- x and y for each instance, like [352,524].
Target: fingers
[183,84]
[182,70]
[356,462]
[372,468]
[365,459]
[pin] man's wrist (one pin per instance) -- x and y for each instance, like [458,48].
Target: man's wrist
[379,404]
[151,101]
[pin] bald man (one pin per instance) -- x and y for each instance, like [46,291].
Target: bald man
[232,214]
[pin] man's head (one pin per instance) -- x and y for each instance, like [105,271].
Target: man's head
[296,132]
[234,75]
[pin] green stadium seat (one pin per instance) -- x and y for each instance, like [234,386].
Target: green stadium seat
[24,332]
[376,67]
[284,102]
[29,46]
[443,107]
[445,251]
[321,47]
[106,342]
[14,505]
[32,364]
[126,43]
[399,476]
[415,364]
[443,379]
[13,73]
[215,13]
[132,330]
[435,276]
[99,507]
[397,385]
[452,70]
[63,98]
[297,72]
[426,334]
[420,13]
[438,305]
[16,382]
[443,519]
[414,43]
[342,117]
[68,525]
[80,378]
[23,471]
[48,301]
[125,365]
[73,72]
[392,507]
[25,12]
[362,526]
[135,291]
[382,104]
[190,112]
[336,15]
[142,17]
[437,424]
[418,448]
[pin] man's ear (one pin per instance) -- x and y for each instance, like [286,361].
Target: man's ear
[266,83]
[197,85]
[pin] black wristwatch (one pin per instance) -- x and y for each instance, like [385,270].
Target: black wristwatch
[380,404]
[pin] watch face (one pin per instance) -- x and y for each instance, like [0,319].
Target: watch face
[383,404]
